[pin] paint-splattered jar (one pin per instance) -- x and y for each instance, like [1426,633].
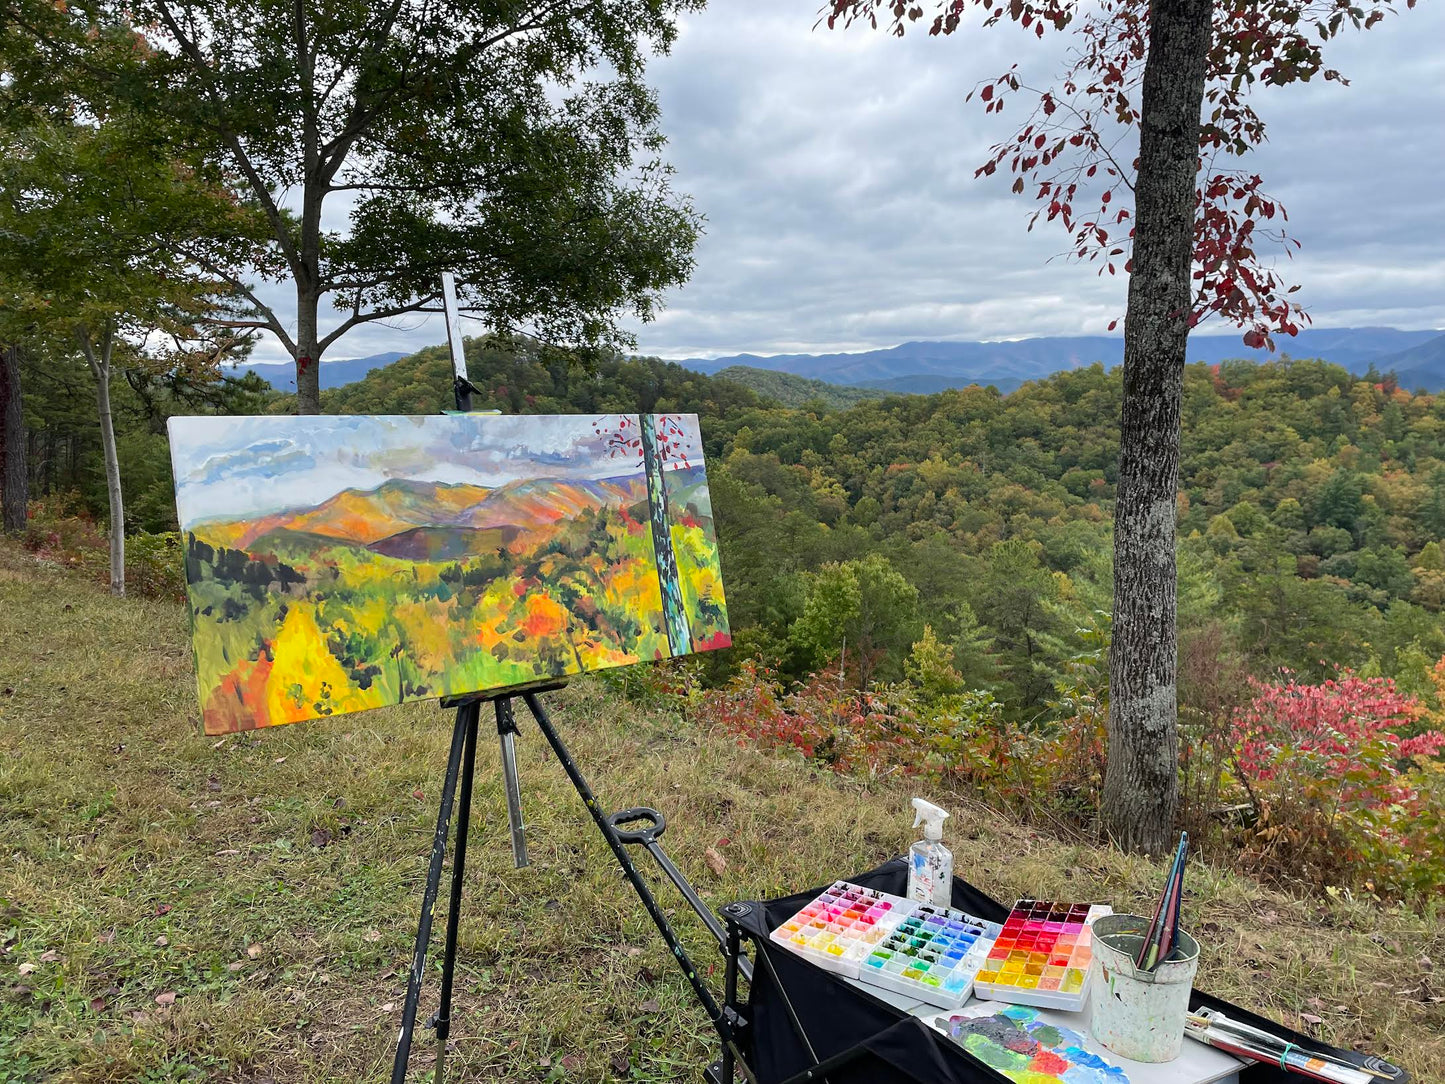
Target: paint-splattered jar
[1140,1014]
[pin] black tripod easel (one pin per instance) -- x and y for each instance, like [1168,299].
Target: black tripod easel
[461,767]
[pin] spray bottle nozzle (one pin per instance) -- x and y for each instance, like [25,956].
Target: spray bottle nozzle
[930,816]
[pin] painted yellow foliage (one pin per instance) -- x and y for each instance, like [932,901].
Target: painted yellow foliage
[426,625]
[306,680]
[596,656]
[698,571]
[633,586]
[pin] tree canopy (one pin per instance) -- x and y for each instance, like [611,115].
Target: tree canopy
[514,144]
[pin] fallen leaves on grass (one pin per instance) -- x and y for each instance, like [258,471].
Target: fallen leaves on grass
[715,862]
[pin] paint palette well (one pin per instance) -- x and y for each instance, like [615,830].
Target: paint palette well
[933,955]
[842,926]
[929,953]
[1042,956]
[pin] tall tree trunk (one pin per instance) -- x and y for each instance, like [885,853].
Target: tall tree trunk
[1141,784]
[99,363]
[14,482]
[674,612]
[308,361]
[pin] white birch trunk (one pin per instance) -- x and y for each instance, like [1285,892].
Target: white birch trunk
[99,363]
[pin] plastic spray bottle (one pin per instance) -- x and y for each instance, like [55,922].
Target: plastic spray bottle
[930,863]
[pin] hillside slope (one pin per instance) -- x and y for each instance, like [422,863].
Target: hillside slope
[269,883]
[796,391]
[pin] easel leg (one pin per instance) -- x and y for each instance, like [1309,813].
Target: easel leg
[442,1021]
[466,721]
[720,1021]
[506,732]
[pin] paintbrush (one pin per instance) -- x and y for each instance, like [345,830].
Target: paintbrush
[1153,925]
[1149,954]
[1169,933]
[1213,1028]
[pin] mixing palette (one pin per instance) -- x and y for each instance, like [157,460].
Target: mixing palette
[1042,957]
[930,953]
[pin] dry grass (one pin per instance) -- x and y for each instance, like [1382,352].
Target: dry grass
[271,882]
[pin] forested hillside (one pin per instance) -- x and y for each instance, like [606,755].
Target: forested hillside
[924,582]
[789,390]
[1312,505]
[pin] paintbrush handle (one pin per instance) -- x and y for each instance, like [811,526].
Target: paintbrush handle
[1301,1062]
[1272,1044]
[1156,944]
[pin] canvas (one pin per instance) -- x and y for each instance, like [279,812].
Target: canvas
[335,564]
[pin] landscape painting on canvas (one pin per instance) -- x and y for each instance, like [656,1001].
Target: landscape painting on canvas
[341,563]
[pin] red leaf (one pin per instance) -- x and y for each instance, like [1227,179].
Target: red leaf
[1113,324]
[986,93]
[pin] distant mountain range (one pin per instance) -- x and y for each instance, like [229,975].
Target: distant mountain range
[282,375]
[839,380]
[922,367]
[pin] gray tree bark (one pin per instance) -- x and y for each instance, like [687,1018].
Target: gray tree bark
[1141,784]
[308,354]
[99,362]
[14,481]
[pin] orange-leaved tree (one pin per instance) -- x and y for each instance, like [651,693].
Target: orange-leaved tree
[1131,153]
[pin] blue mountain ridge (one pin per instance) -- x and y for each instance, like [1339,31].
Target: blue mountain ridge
[1416,357]
[932,366]
[282,375]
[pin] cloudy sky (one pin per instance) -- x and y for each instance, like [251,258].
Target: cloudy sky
[836,174]
[232,466]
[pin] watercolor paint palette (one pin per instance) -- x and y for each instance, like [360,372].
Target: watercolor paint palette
[1043,955]
[933,955]
[929,953]
[842,926]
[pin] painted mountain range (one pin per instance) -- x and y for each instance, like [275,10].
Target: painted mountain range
[400,508]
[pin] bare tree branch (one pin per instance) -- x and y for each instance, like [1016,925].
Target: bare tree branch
[380,314]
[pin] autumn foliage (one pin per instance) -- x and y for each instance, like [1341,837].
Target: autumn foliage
[1341,781]
[1344,779]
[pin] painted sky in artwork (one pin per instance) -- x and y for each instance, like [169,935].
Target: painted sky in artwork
[232,469]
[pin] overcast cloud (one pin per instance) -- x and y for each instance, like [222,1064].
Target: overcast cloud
[836,174]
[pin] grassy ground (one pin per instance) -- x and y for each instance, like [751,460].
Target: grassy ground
[177,908]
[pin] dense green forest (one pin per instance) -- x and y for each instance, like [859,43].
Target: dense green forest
[923,583]
[1312,506]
